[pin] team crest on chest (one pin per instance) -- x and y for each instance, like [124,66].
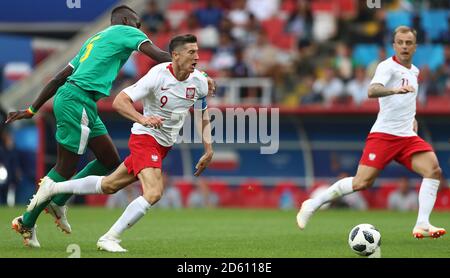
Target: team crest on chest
[190,93]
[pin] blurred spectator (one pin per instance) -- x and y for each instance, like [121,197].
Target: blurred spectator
[153,18]
[343,62]
[404,198]
[240,68]
[329,88]
[287,200]
[300,23]
[261,56]
[426,85]
[239,18]
[171,197]
[252,30]
[357,88]
[370,71]
[202,197]
[224,58]
[263,9]
[9,164]
[209,15]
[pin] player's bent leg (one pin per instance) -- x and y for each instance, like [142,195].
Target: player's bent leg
[59,213]
[427,165]
[117,180]
[152,184]
[151,180]
[30,217]
[43,194]
[28,234]
[364,178]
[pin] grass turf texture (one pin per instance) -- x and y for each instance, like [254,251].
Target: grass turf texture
[226,233]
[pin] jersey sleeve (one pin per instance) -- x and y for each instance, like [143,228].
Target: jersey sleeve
[201,104]
[203,92]
[133,37]
[75,61]
[144,86]
[382,74]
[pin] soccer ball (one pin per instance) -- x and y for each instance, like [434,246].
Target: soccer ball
[364,239]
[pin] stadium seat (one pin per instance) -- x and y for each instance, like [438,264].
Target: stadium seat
[434,23]
[364,54]
[98,200]
[251,194]
[185,187]
[382,194]
[274,28]
[443,199]
[223,190]
[282,186]
[429,55]
[397,18]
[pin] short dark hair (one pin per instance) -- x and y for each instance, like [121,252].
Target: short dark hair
[404,29]
[181,40]
[120,9]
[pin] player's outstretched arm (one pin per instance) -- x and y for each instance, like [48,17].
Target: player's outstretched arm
[207,143]
[155,52]
[46,93]
[124,105]
[378,90]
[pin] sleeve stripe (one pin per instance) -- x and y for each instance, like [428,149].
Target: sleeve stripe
[146,40]
[70,64]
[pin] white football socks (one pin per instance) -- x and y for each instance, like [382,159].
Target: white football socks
[83,186]
[134,211]
[340,188]
[427,197]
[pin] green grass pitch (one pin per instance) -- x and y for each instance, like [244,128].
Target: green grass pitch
[226,233]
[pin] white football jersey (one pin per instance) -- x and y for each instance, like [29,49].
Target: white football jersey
[397,112]
[165,96]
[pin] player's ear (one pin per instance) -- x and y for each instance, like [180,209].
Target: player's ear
[125,20]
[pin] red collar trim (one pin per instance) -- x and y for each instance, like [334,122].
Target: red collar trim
[170,67]
[398,62]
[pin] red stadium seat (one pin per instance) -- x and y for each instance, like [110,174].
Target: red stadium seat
[98,200]
[251,194]
[223,190]
[443,199]
[185,188]
[381,195]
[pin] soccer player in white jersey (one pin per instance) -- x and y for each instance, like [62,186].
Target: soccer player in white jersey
[392,137]
[167,91]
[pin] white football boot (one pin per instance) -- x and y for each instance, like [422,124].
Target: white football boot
[110,244]
[43,194]
[305,213]
[28,234]
[59,213]
[431,232]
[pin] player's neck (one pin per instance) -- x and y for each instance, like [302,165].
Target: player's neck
[180,75]
[405,63]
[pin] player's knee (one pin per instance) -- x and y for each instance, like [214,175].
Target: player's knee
[435,173]
[153,196]
[361,184]
[108,187]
